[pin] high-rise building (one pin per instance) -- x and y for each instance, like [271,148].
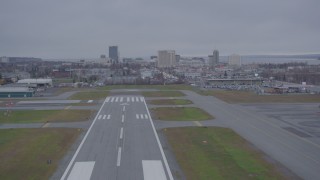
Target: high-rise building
[166,58]
[214,59]
[113,53]
[235,59]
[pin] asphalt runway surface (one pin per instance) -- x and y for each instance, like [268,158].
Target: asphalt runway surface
[120,144]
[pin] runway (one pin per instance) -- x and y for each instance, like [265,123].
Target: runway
[120,144]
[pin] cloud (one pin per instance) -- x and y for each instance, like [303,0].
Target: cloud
[79,28]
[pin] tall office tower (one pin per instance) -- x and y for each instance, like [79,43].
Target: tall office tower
[214,58]
[166,58]
[235,59]
[113,53]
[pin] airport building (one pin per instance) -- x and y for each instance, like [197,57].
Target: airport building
[42,83]
[16,92]
[225,82]
[166,58]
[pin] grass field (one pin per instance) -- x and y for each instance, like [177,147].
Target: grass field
[180,114]
[218,153]
[27,116]
[24,152]
[162,94]
[170,102]
[92,95]
[249,97]
[158,87]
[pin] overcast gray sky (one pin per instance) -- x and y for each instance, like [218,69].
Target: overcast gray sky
[85,28]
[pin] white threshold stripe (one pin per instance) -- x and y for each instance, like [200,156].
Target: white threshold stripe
[153,170]
[90,101]
[137,99]
[141,116]
[119,157]
[81,144]
[121,133]
[100,116]
[81,170]
[146,116]
[128,99]
[107,99]
[104,116]
[112,99]
[132,99]
[137,116]
[108,116]
[121,99]
[159,144]
[141,99]
[117,99]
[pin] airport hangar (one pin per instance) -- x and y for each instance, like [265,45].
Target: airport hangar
[24,88]
[224,82]
[16,92]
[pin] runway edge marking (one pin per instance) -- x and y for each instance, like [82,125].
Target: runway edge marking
[159,144]
[81,144]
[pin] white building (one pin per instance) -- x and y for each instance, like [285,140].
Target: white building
[166,58]
[235,59]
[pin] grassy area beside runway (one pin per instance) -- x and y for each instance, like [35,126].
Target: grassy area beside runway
[170,102]
[250,97]
[92,95]
[218,153]
[24,153]
[180,114]
[37,116]
[162,94]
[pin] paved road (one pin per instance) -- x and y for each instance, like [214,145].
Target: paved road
[120,144]
[300,155]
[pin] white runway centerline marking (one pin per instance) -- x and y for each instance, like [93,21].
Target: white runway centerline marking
[104,116]
[108,116]
[119,157]
[122,118]
[100,116]
[121,133]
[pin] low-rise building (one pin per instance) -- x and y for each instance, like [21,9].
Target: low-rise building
[16,92]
